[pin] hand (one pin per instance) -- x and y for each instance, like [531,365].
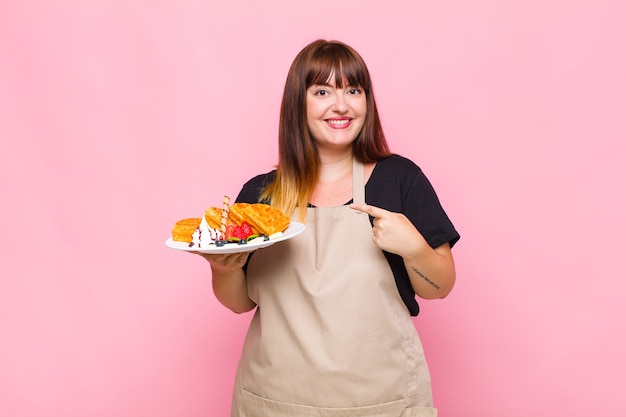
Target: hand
[431,271]
[393,232]
[225,262]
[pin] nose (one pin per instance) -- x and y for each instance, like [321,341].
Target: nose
[340,105]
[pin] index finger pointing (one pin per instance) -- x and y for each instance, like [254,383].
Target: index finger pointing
[366,208]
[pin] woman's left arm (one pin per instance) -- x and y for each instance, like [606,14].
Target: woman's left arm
[431,270]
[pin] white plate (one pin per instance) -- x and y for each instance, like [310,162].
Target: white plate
[293,230]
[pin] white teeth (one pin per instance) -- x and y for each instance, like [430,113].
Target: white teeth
[339,122]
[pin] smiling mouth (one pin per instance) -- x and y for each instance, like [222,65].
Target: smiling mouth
[338,123]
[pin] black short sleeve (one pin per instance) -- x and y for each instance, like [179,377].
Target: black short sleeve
[398,185]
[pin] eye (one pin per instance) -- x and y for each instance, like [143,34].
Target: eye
[321,92]
[355,91]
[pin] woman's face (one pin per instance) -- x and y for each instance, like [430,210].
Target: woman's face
[335,116]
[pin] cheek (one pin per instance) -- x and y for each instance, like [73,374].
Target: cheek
[310,116]
[312,109]
[363,106]
[359,106]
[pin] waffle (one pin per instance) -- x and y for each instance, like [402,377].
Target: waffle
[213,216]
[183,229]
[263,218]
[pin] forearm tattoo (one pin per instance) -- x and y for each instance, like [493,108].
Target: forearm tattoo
[424,277]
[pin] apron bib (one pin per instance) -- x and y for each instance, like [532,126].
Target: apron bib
[331,336]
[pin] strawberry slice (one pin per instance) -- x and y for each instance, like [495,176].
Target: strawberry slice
[247,229]
[239,233]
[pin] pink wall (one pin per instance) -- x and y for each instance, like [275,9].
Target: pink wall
[119,117]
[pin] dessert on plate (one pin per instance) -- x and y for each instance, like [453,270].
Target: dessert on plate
[240,223]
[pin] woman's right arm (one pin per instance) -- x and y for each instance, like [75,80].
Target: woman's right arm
[229,281]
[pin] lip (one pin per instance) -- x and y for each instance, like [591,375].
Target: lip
[339,122]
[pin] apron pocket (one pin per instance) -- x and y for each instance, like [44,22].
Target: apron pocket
[251,405]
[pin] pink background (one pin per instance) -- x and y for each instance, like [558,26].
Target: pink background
[117,118]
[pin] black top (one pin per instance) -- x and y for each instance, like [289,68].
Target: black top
[397,185]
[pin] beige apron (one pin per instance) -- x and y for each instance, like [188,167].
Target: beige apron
[331,336]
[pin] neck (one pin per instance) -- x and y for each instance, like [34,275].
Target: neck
[334,168]
[333,186]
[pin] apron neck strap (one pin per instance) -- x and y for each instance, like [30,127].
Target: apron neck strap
[358,187]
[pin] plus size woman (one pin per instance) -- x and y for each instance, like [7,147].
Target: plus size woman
[332,333]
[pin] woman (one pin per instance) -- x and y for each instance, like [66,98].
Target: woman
[332,334]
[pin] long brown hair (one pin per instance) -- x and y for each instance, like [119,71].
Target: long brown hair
[299,163]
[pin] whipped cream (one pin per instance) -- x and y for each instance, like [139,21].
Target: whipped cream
[205,235]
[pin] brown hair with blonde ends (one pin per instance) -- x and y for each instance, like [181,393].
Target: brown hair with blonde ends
[299,163]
